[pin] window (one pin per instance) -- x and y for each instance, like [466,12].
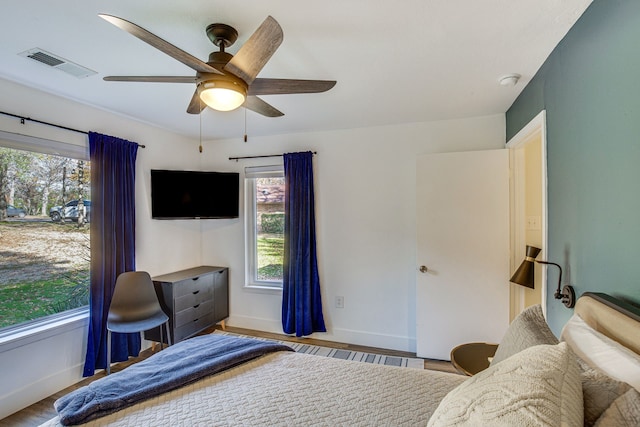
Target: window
[44,236]
[264,216]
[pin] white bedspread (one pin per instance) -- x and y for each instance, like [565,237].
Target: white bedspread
[294,389]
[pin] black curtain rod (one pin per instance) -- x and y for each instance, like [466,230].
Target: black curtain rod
[22,120]
[260,157]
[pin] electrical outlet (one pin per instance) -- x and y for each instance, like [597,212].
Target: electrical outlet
[339,302]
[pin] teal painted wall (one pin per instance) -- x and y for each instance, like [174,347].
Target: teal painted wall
[590,87]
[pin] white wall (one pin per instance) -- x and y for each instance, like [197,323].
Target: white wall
[365,213]
[32,368]
[365,185]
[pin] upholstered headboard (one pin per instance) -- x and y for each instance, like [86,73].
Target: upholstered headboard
[612,317]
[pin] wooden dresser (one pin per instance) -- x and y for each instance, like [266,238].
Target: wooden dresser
[194,299]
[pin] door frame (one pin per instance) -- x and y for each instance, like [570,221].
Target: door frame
[536,128]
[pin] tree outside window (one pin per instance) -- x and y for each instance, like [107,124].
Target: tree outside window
[44,264]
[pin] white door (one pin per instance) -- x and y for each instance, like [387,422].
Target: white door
[463,241]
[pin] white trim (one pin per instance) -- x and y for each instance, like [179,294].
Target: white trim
[517,232]
[261,289]
[19,141]
[269,171]
[21,335]
[351,336]
[538,125]
[251,174]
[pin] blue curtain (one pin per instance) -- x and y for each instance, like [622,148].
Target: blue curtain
[113,220]
[301,301]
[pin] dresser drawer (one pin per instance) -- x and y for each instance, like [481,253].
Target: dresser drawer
[189,286]
[192,299]
[192,327]
[193,313]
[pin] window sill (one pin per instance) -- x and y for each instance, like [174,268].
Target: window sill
[31,332]
[255,287]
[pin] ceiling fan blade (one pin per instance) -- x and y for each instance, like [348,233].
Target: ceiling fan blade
[255,53]
[285,86]
[160,44]
[151,79]
[196,105]
[259,106]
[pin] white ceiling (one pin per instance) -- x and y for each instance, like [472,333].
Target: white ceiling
[395,62]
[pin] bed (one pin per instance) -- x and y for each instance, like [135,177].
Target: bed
[533,380]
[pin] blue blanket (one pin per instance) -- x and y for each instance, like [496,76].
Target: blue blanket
[166,370]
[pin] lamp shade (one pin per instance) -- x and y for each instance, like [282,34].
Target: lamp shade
[222,95]
[524,274]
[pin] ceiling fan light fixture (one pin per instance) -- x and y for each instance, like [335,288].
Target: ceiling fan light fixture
[222,95]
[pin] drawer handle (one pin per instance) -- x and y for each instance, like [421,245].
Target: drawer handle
[195,320]
[196,292]
[196,306]
[195,278]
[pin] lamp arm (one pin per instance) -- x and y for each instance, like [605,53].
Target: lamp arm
[558,293]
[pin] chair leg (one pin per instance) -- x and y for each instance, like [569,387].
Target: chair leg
[166,325]
[108,352]
[161,338]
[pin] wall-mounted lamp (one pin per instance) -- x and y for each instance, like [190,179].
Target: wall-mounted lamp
[524,276]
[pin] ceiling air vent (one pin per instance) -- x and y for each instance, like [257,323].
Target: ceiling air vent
[54,61]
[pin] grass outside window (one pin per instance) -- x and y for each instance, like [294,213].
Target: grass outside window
[270,256]
[44,269]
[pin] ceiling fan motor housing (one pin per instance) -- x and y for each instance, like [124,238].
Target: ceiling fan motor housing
[224,82]
[219,59]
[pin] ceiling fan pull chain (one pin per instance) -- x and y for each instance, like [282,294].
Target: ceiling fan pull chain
[200,120]
[245,125]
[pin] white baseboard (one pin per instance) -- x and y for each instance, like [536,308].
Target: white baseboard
[347,336]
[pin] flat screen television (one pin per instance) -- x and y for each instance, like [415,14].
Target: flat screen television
[179,194]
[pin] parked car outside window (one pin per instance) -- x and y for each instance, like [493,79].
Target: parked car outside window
[13,211]
[70,211]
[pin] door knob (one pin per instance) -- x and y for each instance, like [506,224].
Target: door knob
[423,269]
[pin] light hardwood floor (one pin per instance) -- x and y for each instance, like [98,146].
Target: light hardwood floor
[43,411]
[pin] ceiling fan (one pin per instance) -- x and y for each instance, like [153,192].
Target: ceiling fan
[226,82]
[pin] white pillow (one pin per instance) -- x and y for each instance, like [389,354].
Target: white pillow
[529,328]
[538,386]
[600,351]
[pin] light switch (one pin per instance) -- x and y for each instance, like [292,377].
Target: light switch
[533,223]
